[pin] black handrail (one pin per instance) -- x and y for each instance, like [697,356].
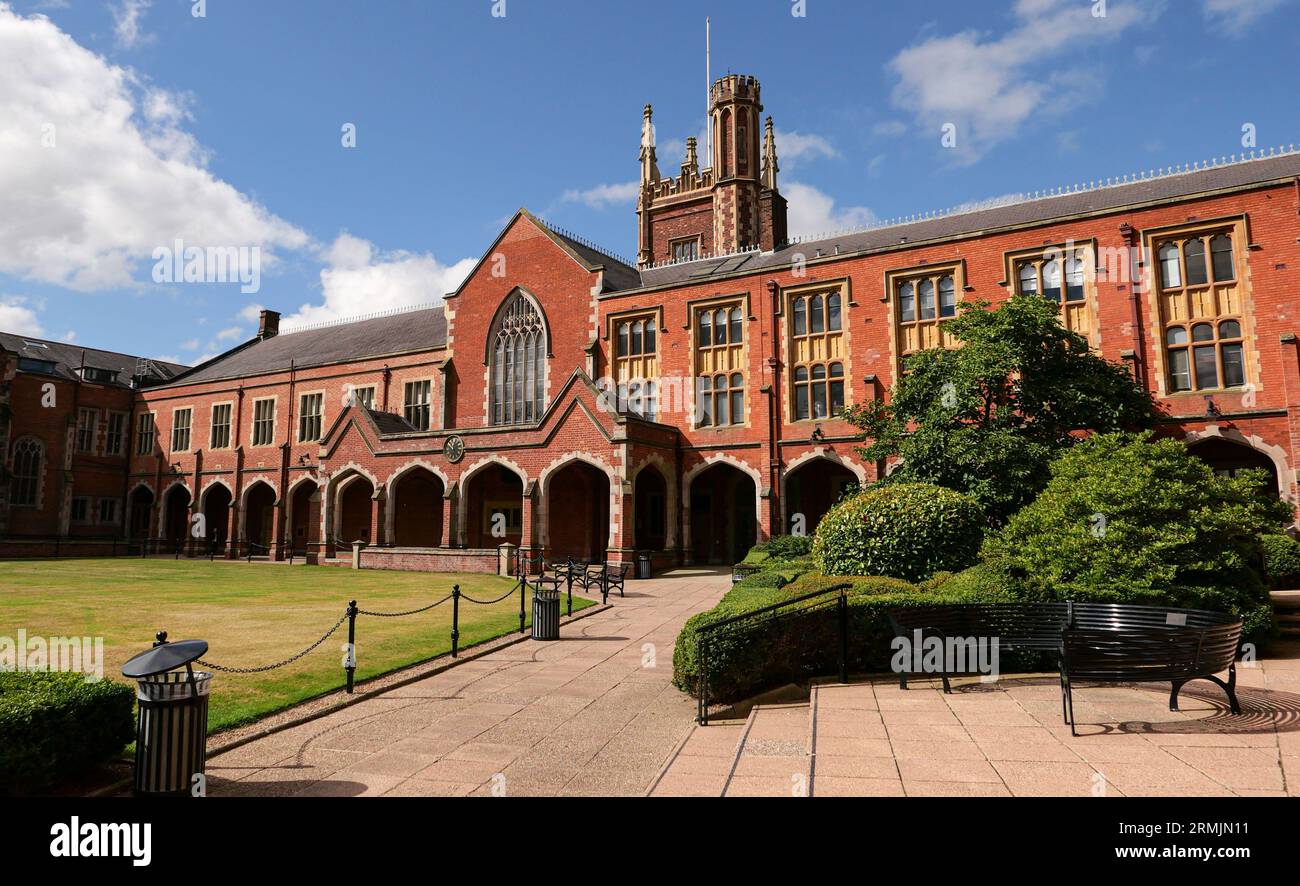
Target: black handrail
[705,632]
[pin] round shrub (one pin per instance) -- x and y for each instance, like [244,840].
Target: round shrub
[903,530]
[1281,561]
[56,726]
[1130,519]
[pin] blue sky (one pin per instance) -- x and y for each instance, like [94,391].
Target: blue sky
[127,124]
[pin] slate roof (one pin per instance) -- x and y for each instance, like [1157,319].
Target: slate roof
[390,422]
[619,275]
[1022,213]
[423,329]
[68,358]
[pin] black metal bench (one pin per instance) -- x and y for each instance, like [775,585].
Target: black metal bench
[606,577]
[1098,642]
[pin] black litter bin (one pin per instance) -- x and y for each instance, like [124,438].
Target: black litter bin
[171,737]
[643,567]
[546,612]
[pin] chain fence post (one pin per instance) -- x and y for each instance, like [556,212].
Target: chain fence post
[455,619]
[844,637]
[569,573]
[351,663]
[703,654]
[523,586]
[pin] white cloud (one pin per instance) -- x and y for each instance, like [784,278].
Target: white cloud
[813,212]
[890,128]
[359,280]
[121,177]
[987,87]
[190,344]
[17,318]
[230,333]
[602,196]
[1236,16]
[70,336]
[127,15]
[795,146]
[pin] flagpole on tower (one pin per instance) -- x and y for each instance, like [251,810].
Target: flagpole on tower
[708,88]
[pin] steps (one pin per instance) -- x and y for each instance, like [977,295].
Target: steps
[832,744]
[1286,605]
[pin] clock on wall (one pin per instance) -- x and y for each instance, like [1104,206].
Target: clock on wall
[454,449]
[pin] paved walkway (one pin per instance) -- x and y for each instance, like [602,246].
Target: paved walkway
[871,738]
[593,714]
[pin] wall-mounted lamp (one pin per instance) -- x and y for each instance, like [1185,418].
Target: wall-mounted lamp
[1211,410]
[817,435]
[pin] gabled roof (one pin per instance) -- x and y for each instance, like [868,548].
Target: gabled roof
[1025,213]
[618,275]
[398,332]
[69,358]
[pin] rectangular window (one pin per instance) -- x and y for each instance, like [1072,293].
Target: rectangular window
[364,396]
[108,510]
[220,436]
[181,430]
[636,364]
[923,300]
[80,510]
[145,434]
[817,353]
[263,422]
[720,365]
[1201,309]
[1063,277]
[309,417]
[686,250]
[86,421]
[416,404]
[115,433]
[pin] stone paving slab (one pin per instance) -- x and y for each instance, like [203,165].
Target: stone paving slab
[870,738]
[581,716]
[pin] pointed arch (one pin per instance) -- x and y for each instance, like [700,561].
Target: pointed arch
[657,464]
[466,501]
[517,349]
[1276,454]
[554,469]
[809,461]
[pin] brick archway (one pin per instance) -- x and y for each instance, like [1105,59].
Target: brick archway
[811,485]
[414,511]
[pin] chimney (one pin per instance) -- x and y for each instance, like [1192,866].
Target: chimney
[268,324]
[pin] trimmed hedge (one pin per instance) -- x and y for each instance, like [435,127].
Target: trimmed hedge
[56,726]
[804,642]
[903,530]
[1133,519]
[786,547]
[1281,561]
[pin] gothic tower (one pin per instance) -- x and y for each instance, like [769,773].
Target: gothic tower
[731,206]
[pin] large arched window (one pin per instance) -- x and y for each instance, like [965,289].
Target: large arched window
[25,484]
[518,363]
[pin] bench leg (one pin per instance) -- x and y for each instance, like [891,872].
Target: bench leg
[1230,688]
[1067,703]
[1173,696]
[902,679]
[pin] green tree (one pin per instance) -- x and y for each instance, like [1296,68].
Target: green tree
[986,418]
[1128,519]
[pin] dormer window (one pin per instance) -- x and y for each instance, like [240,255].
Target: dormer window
[98,376]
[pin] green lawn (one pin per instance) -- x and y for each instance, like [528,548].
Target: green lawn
[251,615]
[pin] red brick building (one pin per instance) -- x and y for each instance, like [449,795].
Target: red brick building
[572,403]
